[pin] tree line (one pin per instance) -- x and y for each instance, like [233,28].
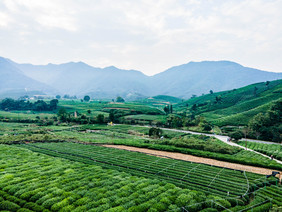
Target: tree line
[40,105]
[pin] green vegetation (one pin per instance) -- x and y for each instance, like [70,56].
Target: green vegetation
[133,181]
[234,107]
[46,183]
[268,149]
[167,99]
[11,104]
[268,126]
[197,145]
[184,174]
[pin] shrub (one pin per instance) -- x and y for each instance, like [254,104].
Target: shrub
[24,210]
[155,132]
[33,206]
[183,200]
[10,206]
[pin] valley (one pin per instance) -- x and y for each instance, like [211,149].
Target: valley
[154,154]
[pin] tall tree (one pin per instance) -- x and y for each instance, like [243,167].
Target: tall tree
[53,104]
[119,99]
[86,98]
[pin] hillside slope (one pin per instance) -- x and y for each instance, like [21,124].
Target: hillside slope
[201,77]
[237,106]
[13,82]
[78,78]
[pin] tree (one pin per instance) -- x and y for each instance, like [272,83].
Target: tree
[245,131]
[237,135]
[112,116]
[267,126]
[211,91]
[255,91]
[58,97]
[100,118]
[66,96]
[155,132]
[218,99]
[53,104]
[171,110]
[267,84]
[166,109]
[62,114]
[119,99]
[194,107]
[89,111]
[86,98]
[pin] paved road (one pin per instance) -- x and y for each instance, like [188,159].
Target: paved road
[225,140]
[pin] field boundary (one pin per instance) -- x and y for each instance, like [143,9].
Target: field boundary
[196,159]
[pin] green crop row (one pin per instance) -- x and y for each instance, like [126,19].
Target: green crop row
[190,175]
[35,182]
[268,149]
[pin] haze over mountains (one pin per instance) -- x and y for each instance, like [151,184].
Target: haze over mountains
[80,79]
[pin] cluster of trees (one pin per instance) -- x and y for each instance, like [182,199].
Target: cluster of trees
[76,117]
[268,126]
[119,99]
[263,126]
[40,105]
[176,121]
[155,132]
[168,109]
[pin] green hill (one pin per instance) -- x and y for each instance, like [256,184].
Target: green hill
[234,107]
[165,98]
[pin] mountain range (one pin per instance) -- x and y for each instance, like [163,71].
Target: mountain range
[78,78]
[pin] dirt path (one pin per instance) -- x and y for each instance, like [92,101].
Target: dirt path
[195,159]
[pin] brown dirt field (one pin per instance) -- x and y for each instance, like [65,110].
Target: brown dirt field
[195,159]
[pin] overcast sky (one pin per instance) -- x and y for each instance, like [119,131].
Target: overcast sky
[145,35]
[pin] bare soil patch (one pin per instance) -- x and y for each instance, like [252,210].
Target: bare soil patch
[195,159]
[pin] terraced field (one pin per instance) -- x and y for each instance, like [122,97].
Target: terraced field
[211,180]
[268,149]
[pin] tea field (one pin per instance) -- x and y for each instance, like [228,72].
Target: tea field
[32,181]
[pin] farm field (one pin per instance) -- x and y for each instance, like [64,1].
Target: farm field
[137,136]
[56,184]
[268,149]
[185,174]
[57,160]
[53,184]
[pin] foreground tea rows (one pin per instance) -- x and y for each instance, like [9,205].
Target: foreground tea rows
[32,181]
[209,179]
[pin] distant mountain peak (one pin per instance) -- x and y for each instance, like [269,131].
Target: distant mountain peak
[79,78]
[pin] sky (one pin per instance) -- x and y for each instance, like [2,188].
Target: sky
[145,35]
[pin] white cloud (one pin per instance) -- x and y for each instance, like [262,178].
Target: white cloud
[146,35]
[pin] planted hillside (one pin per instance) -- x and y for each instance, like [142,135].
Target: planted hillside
[234,107]
[132,109]
[269,149]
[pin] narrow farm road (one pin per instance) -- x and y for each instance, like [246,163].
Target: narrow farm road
[225,140]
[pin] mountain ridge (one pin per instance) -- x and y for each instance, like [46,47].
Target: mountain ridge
[192,78]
